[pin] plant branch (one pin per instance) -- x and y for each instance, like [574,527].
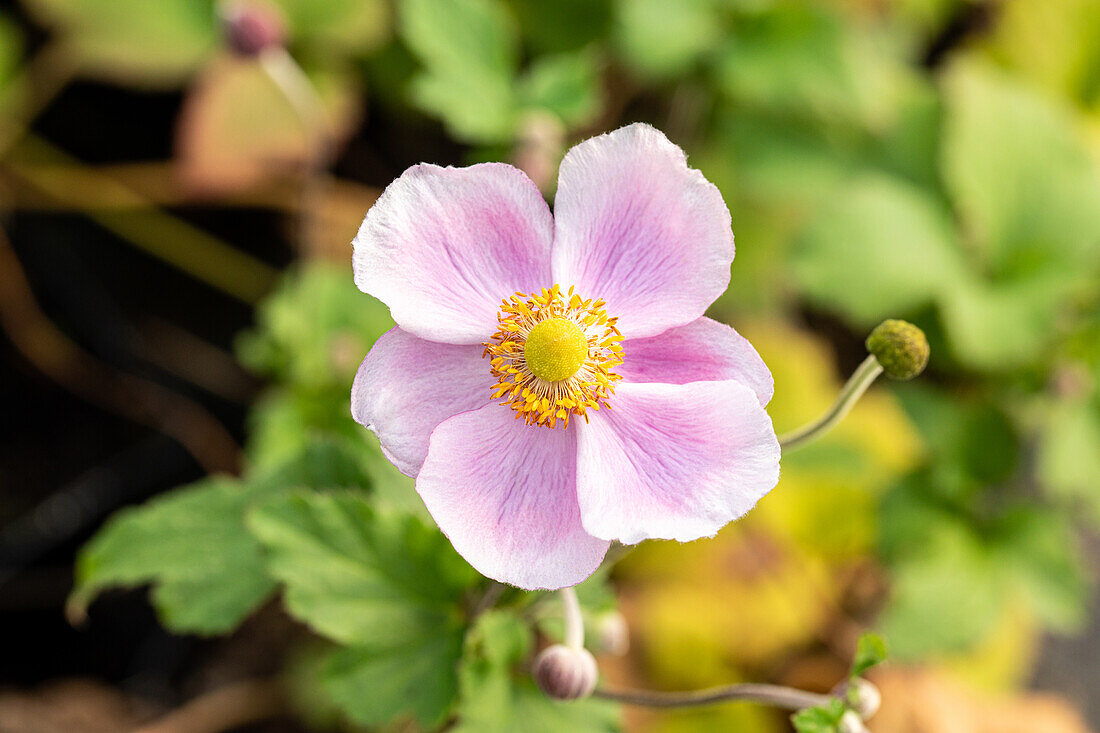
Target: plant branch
[787,698]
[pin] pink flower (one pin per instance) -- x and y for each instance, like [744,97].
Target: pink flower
[551,382]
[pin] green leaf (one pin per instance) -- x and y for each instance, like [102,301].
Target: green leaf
[470,53]
[946,595]
[870,651]
[386,585]
[566,84]
[821,719]
[563,25]
[315,329]
[207,572]
[497,697]
[1024,182]
[1069,455]
[664,38]
[358,576]
[351,26]
[139,42]
[385,682]
[995,326]
[1037,549]
[881,248]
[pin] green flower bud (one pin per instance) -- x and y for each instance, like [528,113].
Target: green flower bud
[900,347]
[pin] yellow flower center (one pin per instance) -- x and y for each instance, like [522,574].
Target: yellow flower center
[555,349]
[553,356]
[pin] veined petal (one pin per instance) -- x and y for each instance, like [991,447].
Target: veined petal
[407,386]
[674,461]
[505,494]
[638,228]
[702,351]
[442,246]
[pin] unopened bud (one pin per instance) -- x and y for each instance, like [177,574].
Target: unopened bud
[566,673]
[612,636]
[861,695]
[900,347]
[850,723]
[252,27]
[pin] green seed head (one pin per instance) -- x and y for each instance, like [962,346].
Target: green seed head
[900,347]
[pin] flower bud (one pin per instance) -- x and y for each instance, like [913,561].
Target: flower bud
[611,634]
[252,27]
[900,347]
[566,673]
[851,723]
[861,695]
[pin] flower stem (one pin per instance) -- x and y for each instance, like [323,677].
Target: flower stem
[787,698]
[857,384]
[574,622]
[297,88]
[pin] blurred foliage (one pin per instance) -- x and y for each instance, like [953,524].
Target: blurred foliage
[935,160]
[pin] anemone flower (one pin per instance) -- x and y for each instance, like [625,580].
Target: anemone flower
[552,383]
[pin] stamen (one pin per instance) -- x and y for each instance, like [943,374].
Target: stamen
[553,356]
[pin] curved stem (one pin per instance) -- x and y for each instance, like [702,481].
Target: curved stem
[574,622]
[787,698]
[296,87]
[853,389]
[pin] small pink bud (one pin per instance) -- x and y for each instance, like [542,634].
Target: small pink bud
[252,27]
[566,673]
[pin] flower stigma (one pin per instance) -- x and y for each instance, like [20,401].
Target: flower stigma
[553,356]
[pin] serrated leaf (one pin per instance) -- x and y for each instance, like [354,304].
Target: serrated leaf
[386,585]
[892,239]
[134,41]
[207,572]
[870,651]
[357,576]
[383,683]
[820,719]
[470,53]
[663,38]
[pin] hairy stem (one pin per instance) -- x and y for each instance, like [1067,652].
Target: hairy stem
[853,389]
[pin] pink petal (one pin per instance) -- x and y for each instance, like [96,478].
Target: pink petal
[702,351]
[442,246]
[674,461]
[638,228]
[407,386]
[505,494]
